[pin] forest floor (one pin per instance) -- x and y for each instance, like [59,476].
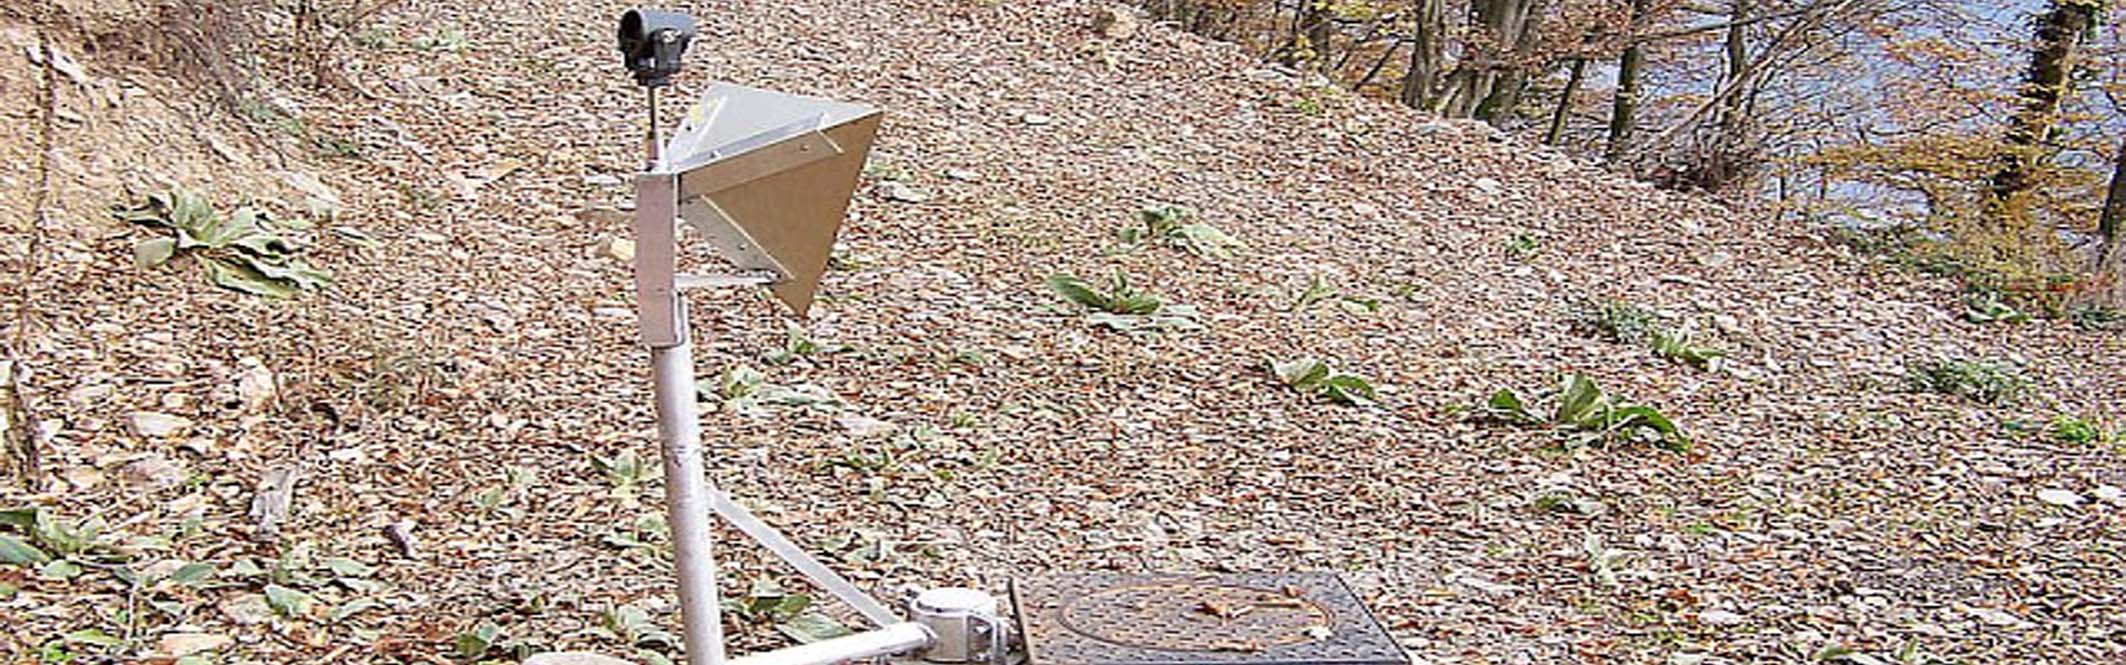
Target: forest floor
[464,411]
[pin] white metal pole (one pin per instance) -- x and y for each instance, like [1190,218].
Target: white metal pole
[687,497]
[687,494]
[891,640]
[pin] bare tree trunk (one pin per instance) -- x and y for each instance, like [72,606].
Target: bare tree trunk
[1623,116]
[1524,23]
[2113,222]
[1738,64]
[1564,110]
[2047,85]
[1427,51]
[2111,263]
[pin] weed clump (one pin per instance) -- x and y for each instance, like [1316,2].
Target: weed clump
[1984,382]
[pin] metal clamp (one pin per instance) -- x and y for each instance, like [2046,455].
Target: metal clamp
[965,624]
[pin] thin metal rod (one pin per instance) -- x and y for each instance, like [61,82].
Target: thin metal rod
[688,497]
[790,553]
[894,639]
[651,145]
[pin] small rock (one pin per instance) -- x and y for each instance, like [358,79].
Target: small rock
[155,425]
[900,192]
[1720,618]
[2060,497]
[2111,495]
[1036,119]
[620,249]
[962,175]
[255,386]
[1115,22]
[179,645]
[153,472]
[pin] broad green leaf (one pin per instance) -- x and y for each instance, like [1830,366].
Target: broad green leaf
[353,607]
[60,569]
[475,643]
[812,627]
[192,573]
[1077,291]
[1350,389]
[20,518]
[287,602]
[242,278]
[1304,373]
[1508,405]
[1206,241]
[14,551]
[347,567]
[1580,402]
[153,252]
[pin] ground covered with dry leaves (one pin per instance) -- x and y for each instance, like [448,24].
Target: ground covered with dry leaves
[448,453]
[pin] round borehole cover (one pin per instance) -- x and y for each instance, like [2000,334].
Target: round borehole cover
[1193,616]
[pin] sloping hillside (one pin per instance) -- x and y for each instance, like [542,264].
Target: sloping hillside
[457,407]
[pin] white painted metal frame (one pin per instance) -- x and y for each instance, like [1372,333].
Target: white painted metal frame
[689,496]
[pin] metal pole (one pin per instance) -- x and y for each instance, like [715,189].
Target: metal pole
[687,498]
[687,494]
[891,640]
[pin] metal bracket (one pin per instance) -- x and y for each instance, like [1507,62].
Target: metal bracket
[657,301]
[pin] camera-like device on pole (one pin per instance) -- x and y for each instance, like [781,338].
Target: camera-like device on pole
[652,42]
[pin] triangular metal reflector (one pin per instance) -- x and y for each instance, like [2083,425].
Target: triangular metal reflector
[767,177]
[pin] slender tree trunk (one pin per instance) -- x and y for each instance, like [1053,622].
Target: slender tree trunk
[2111,262]
[1523,23]
[2048,83]
[1427,51]
[1624,112]
[2113,222]
[1738,53]
[1321,26]
[1564,111]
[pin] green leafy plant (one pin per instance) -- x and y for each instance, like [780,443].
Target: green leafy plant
[1679,345]
[1626,323]
[746,391]
[245,251]
[1522,246]
[766,602]
[1316,378]
[1582,407]
[1618,320]
[2079,431]
[797,344]
[1167,224]
[630,624]
[1122,307]
[2095,317]
[1988,306]
[1983,382]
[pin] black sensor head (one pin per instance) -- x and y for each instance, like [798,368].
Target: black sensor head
[652,41]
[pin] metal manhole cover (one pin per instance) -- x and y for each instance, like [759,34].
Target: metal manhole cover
[1113,619]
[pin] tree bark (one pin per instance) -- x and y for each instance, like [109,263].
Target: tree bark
[2113,222]
[2047,85]
[1624,111]
[1427,50]
[1564,110]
